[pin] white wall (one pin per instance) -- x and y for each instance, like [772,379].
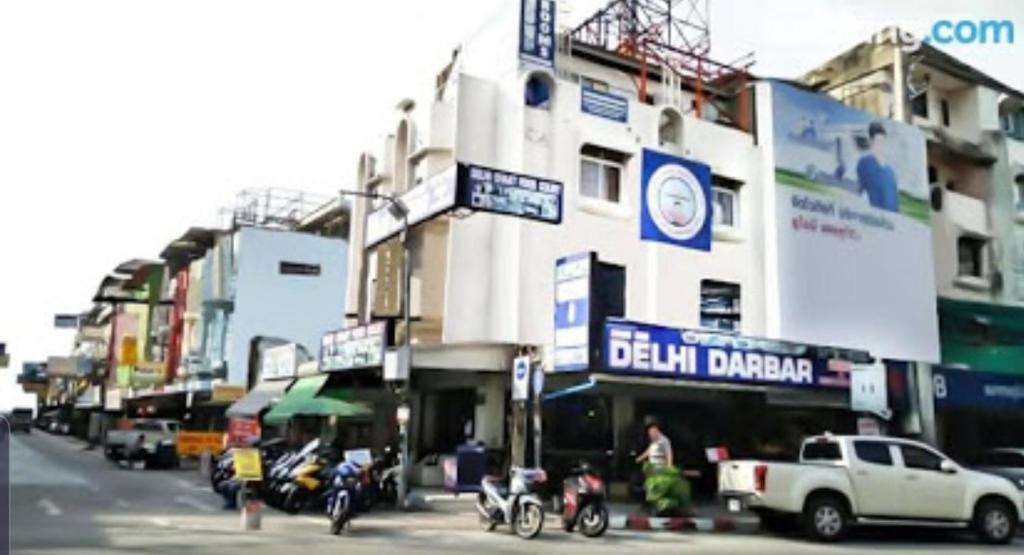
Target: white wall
[500,269]
[293,307]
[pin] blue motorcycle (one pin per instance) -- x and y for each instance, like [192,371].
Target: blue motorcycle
[345,495]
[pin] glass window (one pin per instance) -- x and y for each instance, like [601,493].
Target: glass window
[920,459]
[944,105]
[919,105]
[1018,187]
[821,451]
[874,452]
[600,178]
[719,305]
[724,207]
[538,92]
[969,256]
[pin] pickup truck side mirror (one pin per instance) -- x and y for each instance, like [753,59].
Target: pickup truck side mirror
[947,467]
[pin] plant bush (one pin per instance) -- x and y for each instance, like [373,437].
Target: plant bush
[667,492]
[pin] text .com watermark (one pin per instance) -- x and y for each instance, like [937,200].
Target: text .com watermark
[996,32]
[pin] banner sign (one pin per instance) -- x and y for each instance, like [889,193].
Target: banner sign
[537,32]
[435,195]
[490,190]
[279,362]
[675,201]
[357,347]
[657,351]
[572,312]
[243,432]
[604,105]
[976,389]
[193,444]
[869,388]
[853,232]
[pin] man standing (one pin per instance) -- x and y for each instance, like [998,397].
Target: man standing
[875,176]
[659,452]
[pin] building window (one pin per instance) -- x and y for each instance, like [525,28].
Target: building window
[593,84]
[725,202]
[720,305]
[299,269]
[920,459]
[1018,188]
[670,128]
[919,105]
[601,173]
[539,88]
[874,452]
[933,174]
[944,105]
[970,255]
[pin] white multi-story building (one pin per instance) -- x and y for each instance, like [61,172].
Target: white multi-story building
[483,284]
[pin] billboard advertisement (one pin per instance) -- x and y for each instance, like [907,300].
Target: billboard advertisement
[853,233]
[675,200]
[537,32]
[572,312]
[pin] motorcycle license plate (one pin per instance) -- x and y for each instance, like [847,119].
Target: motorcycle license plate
[735,505]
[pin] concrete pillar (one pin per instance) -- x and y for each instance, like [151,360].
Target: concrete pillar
[489,418]
[926,403]
[623,416]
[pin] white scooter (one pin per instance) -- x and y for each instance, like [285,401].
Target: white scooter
[515,505]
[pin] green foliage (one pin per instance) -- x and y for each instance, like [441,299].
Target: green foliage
[668,493]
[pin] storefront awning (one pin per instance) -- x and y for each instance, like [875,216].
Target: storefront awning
[261,397]
[309,397]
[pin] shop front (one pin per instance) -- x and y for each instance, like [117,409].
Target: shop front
[714,395]
[977,410]
[315,408]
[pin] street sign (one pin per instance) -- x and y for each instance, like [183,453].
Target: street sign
[248,467]
[521,378]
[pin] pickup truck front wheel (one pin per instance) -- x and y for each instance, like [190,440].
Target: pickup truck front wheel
[826,518]
[995,522]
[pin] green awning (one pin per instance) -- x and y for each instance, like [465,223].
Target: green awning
[309,397]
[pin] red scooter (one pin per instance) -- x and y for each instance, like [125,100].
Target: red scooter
[583,499]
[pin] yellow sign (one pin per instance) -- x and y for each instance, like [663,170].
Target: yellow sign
[129,351]
[192,444]
[248,466]
[224,393]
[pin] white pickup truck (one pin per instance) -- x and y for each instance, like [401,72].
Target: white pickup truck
[140,437]
[842,481]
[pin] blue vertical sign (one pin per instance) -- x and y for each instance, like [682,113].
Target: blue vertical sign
[537,32]
[675,201]
[572,312]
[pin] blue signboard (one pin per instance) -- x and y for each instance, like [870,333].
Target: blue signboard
[605,105]
[537,32]
[976,389]
[501,192]
[675,201]
[656,351]
[572,312]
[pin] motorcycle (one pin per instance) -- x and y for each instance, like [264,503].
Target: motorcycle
[583,499]
[383,475]
[517,505]
[344,494]
[308,483]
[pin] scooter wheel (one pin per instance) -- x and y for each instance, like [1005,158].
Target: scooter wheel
[292,504]
[593,520]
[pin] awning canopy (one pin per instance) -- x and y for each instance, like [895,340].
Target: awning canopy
[259,398]
[309,397]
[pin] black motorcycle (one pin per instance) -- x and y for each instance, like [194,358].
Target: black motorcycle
[584,502]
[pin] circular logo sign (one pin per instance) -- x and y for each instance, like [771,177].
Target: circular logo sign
[676,203]
[521,369]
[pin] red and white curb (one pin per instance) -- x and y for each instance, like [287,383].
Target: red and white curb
[747,525]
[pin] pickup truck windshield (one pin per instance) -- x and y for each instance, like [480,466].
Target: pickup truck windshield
[821,451]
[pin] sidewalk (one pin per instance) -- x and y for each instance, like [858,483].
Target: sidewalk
[705,517]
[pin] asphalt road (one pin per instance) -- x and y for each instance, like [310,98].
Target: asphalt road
[69,501]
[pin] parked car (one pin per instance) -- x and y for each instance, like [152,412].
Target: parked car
[20,420]
[142,439]
[841,481]
[1007,462]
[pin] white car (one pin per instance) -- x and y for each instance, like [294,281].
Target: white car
[842,481]
[1007,462]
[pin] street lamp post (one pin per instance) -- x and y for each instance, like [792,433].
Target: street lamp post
[400,211]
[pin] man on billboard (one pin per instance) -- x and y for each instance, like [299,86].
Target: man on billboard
[874,175]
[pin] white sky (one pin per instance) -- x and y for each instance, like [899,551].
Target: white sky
[122,123]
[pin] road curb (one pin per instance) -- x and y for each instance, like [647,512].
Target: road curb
[684,524]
